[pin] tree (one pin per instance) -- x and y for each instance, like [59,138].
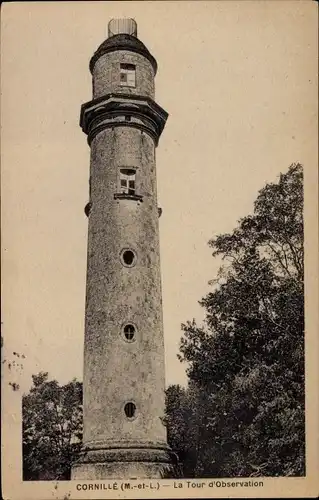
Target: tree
[52,428]
[186,421]
[247,360]
[178,421]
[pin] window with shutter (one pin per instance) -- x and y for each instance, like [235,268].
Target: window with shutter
[127,75]
[127,180]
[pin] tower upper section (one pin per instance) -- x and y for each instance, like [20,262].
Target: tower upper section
[122,64]
[123,72]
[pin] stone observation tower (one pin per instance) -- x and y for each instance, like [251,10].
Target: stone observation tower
[123,435]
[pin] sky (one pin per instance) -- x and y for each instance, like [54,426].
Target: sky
[239,81]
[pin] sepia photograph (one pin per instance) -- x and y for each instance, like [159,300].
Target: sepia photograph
[159,227]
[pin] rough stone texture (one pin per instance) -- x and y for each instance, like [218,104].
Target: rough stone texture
[123,463]
[120,371]
[120,470]
[117,371]
[106,74]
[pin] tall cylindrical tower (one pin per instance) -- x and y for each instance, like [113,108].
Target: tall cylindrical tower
[123,386]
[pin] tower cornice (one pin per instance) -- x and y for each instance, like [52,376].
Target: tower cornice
[111,110]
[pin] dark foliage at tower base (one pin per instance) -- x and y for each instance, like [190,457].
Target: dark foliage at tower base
[51,429]
[243,411]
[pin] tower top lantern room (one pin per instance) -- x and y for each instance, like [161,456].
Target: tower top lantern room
[123,68]
[122,26]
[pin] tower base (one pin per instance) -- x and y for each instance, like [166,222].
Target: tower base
[120,470]
[130,463]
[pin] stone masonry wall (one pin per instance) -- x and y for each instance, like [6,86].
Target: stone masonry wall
[106,74]
[117,371]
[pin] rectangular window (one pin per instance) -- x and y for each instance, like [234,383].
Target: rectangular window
[127,180]
[127,75]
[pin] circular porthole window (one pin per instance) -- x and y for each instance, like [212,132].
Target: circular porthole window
[129,332]
[130,410]
[128,257]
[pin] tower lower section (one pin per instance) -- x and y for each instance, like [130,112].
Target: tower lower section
[131,462]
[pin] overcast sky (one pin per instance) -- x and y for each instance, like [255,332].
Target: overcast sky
[239,83]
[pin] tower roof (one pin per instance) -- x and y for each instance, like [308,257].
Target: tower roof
[122,41]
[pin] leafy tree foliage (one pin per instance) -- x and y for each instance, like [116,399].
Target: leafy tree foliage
[52,428]
[186,421]
[243,412]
